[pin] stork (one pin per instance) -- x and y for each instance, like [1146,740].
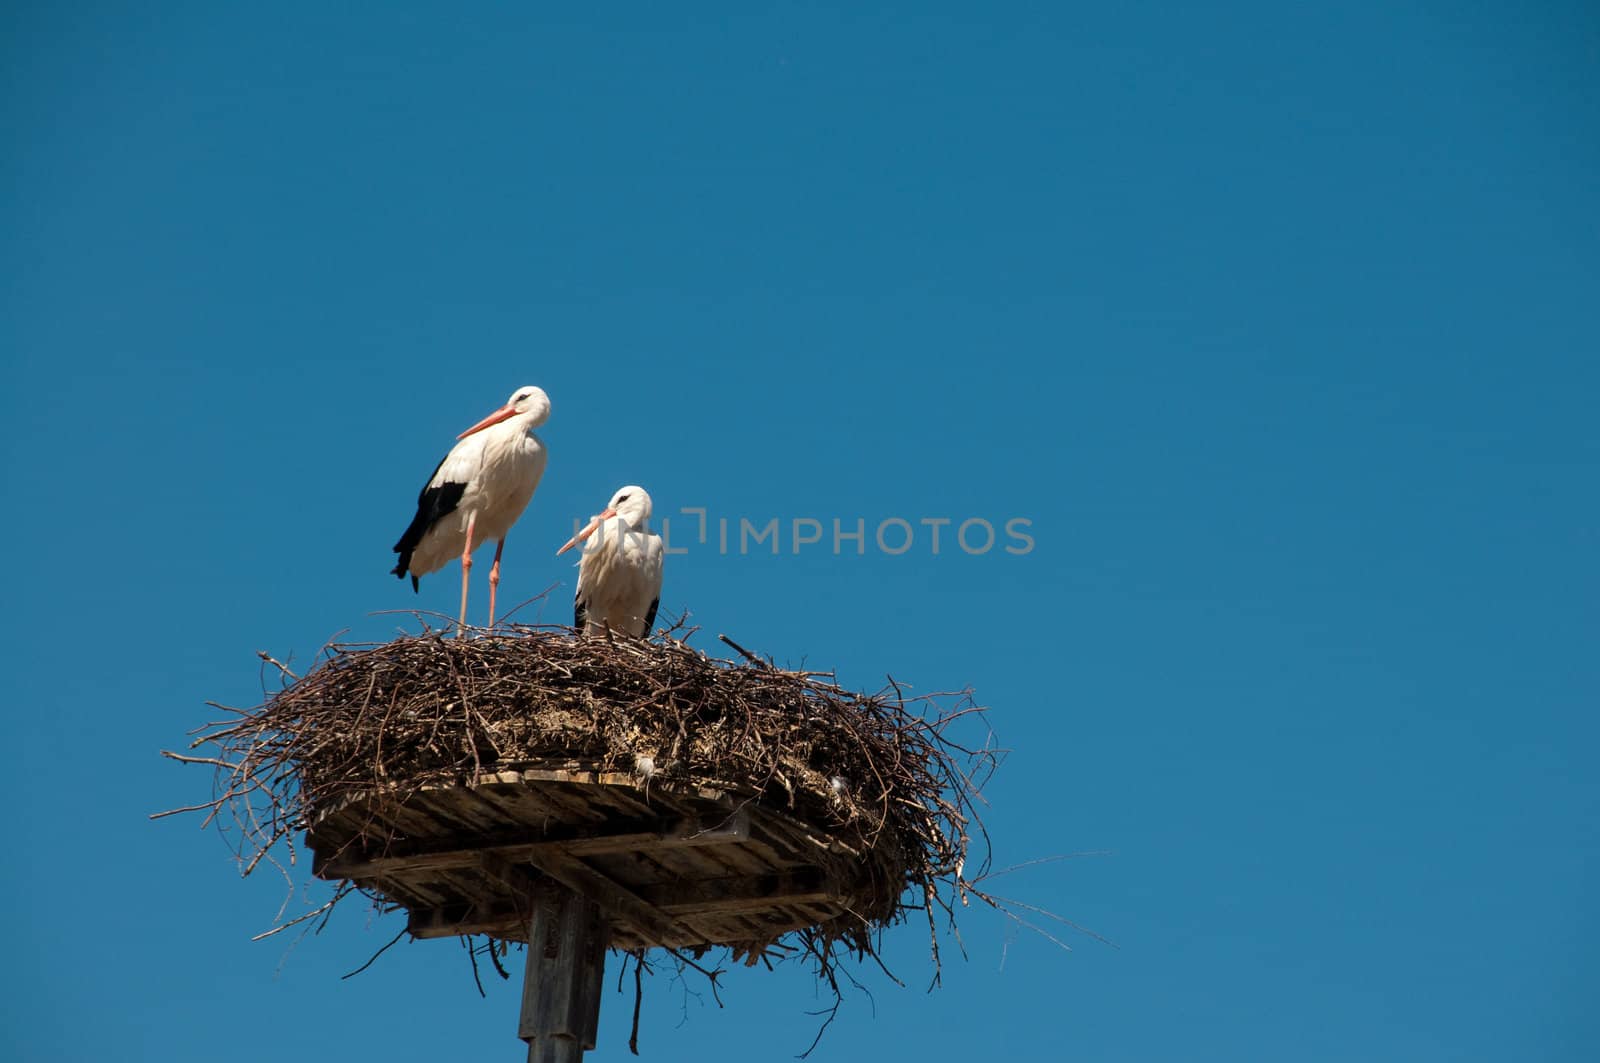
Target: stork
[476,494]
[619,577]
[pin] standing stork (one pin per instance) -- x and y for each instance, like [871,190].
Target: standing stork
[619,578]
[477,492]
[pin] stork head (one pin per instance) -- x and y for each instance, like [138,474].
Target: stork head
[527,401]
[631,503]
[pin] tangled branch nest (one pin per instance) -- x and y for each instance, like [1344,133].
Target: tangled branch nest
[881,771]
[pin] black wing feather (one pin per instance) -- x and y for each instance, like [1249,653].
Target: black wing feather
[580,613]
[650,617]
[434,503]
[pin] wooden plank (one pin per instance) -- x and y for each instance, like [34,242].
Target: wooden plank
[742,893]
[340,826]
[608,800]
[804,837]
[486,890]
[518,803]
[467,860]
[619,902]
[689,865]
[521,845]
[744,906]
[764,830]
[625,790]
[431,923]
[490,807]
[819,912]
[668,790]
[448,889]
[459,812]
[454,920]
[737,859]
[403,819]
[408,893]
[572,807]
[633,866]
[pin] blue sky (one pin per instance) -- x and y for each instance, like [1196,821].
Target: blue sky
[1278,325]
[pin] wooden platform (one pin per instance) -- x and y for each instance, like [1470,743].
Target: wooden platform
[669,864]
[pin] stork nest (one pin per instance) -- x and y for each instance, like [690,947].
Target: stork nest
[880,772]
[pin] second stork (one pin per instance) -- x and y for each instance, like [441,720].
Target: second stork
[619,578]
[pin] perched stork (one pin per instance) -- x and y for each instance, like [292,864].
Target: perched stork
[619,578]
[477,492]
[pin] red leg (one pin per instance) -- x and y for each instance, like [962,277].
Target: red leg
[494,577]
[466,571]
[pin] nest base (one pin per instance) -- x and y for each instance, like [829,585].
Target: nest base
[673,865]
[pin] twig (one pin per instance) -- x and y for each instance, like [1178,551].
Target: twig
[638,1000]
[299,919]
[746,654]
[472,955]
[279,665]
[374,957]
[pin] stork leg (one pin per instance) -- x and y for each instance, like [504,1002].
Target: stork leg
[494,577]
[466,572]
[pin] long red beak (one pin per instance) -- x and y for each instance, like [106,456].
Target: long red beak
[494,418]
[588,531]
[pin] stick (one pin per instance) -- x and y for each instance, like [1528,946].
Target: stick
[746,654]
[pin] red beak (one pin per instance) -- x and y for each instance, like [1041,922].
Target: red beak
[588,531]
[494,418]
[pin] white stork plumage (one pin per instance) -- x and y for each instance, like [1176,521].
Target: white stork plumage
[477,492]
[619,578]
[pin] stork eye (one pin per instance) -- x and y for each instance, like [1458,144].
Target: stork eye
[621,500]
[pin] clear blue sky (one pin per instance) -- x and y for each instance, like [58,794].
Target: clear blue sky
[1280,326]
